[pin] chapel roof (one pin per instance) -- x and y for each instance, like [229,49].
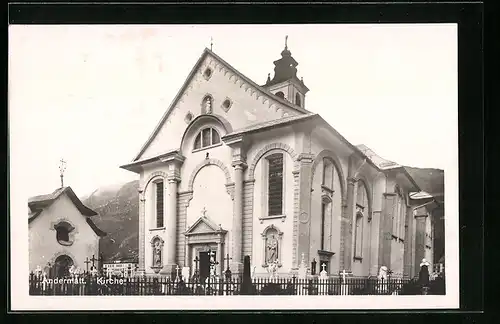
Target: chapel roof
[37,204]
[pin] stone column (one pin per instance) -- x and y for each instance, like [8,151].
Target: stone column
[238,145]
[420,220]
[171,225]
[220,258]
[385,239]
[408,242]
[346,227]
[237,242]
[304,227]
[174,161]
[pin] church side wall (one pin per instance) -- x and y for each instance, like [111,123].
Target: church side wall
[43,245]
[273,141]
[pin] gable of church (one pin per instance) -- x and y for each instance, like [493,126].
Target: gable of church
[233,96]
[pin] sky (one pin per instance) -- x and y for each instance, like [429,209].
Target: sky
[93,94]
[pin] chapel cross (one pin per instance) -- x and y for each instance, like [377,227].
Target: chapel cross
[204,212]
[62,168]
[177,271]
[324,266]
[211,43]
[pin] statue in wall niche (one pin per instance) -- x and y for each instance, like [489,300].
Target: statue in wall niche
[157,254]
[272,249]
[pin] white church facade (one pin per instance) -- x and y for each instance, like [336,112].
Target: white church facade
[243,169]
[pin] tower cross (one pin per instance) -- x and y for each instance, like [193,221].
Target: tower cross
[211,43]
[62,168]
[286,41]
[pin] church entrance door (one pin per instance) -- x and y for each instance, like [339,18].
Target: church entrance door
[62,265]
[205,264]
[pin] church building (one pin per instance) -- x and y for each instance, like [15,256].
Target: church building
[237,168]
[61,232]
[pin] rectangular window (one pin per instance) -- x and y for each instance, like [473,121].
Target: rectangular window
[323,215]
[275,184]
[159,204]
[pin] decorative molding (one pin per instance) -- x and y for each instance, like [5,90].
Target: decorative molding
[230,189]
[263,218]
[267,148]
[153,175]
[304,217]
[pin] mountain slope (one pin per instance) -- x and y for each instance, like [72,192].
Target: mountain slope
[118,211]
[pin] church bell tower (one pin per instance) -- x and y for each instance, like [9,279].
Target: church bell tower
[285,83]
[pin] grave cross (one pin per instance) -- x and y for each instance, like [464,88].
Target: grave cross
[324,266]
[87,261]
[177,271]
[93,260]
[344,273]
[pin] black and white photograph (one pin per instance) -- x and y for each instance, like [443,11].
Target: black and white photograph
[197,166]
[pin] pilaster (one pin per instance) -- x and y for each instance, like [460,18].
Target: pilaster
[305,161]
[174,162]
[385,238]
[346,227]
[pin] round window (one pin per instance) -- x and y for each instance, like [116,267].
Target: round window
[207,73]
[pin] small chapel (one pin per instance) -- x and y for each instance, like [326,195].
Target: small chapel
[235,169]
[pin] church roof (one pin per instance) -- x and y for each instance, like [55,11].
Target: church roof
[36,205]
[270,124]
[379,161]
[205,53]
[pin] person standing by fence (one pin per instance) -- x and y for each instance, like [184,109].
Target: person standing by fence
[423,276]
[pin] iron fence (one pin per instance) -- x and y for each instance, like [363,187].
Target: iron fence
[91,284]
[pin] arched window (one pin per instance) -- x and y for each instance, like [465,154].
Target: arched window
[63,230]
[326,211]
[358,235]
[298,102]
[361,210]
[159,204]
[328,173]
[275,184]
[280,94]
[206,138]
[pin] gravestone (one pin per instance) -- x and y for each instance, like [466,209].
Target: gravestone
[423,276]
[303,268]
[246,284]
[185,273]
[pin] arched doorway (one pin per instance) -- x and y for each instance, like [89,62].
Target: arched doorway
[62,265]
